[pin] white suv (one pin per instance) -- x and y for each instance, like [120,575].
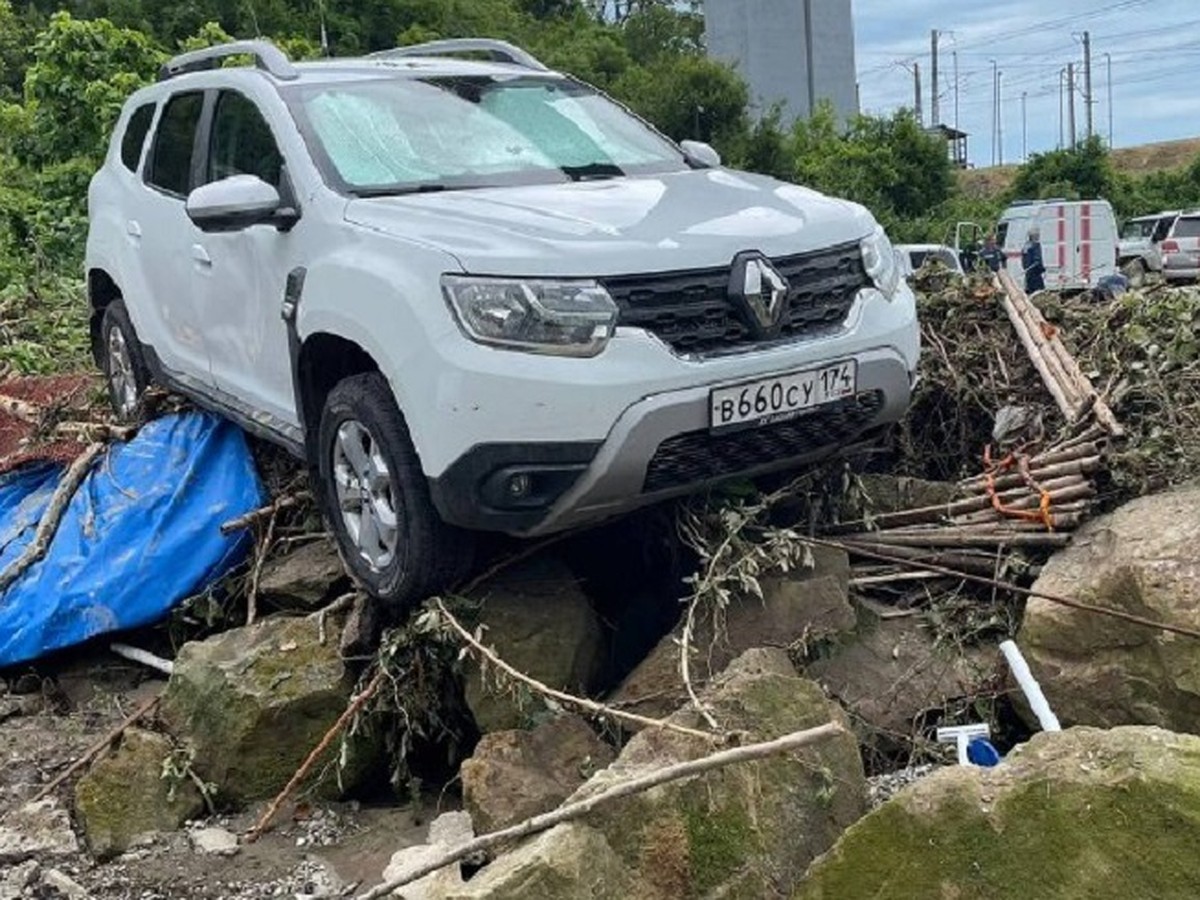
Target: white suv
[479,295]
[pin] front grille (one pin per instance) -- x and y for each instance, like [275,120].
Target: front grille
[692,312]
[700,456]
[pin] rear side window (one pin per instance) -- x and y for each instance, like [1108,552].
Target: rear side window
[171,161]
[242,143]
[1187,228]
[135,136]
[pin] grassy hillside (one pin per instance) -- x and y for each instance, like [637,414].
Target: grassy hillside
[1160,157]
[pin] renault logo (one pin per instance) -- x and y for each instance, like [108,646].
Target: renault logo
[759,292]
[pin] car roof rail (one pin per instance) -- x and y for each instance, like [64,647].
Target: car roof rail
[500,51]
[266,55]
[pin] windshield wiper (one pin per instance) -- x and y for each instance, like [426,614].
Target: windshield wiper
[592,171]
[397,190]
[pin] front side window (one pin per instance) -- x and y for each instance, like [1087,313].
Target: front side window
[135,136]
[396,135]
[174,143]
[241,142]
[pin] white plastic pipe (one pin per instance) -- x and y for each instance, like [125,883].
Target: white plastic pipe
[1029,687]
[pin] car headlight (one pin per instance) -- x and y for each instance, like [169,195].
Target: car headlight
[879,259]
[565,318]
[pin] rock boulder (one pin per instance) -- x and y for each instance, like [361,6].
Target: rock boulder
[1144,558]
[808,603]
[514,775]
[538,620]
[1106,815]
[124,795]
[253,701]
[748,830]
[305,577]
[38,830]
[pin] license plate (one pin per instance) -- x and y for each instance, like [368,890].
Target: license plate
[783,397]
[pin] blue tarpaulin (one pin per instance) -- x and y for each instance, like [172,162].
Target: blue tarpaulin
[141,534]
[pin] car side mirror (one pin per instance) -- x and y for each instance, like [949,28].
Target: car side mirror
[233,203]
[700,154]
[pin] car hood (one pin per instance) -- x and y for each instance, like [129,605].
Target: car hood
[683,220]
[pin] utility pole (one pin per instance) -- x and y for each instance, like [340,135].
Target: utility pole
[1071,104]
[1087,81]
[1062,73]
[1000,117]
[1024,129]
[1108,80]
[935,116]
[955,90]
[995,109]
[917,91]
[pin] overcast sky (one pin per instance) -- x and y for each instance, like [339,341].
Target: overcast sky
[1154,47]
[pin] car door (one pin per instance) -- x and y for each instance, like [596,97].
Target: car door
[240,286]
[159,231]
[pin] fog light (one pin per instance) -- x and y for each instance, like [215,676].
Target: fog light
[518,486]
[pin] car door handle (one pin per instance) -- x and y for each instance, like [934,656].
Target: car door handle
[200,255]
[133,229]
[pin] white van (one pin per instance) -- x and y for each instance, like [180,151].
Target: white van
[1079,240]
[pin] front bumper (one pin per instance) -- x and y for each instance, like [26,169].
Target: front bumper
[660,447]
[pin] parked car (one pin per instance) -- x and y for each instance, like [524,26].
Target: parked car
[479,295]
[1181,248]
[1139,250]
[1078,237]
[913,256]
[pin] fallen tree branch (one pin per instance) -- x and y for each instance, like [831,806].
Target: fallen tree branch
[590,706]
[1000,584]
[95,748]
[348,713]
[59,501]
[269,511]
[567,812]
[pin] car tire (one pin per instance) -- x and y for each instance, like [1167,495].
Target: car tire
[376,500]
[1135,271]
[125,371]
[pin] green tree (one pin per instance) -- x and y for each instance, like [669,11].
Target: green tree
[689,97]
[1082,172]
[81,74]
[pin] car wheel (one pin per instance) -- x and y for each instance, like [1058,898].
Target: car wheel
[376,499]
[124,367]
[1135,271]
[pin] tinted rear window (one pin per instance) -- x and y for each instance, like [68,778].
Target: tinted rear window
[171,162]
[1187,228]
[135,136]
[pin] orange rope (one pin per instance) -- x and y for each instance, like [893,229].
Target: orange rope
[1021,461]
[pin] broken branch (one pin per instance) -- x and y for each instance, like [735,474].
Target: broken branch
[59,501]
[269,511]
[591,706]
[748,753]
[95,748]
[311,760]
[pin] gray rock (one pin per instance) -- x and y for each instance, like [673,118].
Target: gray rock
[1106,815]
[305,576]
[214,840]
[40,830]
[253,702]
[124,796]
[64,885]
[447,832]
[1144,559]
[514,775]
[748,830]
[808,603]
[15,879]
[570,862]
[538,620]
[892,670]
